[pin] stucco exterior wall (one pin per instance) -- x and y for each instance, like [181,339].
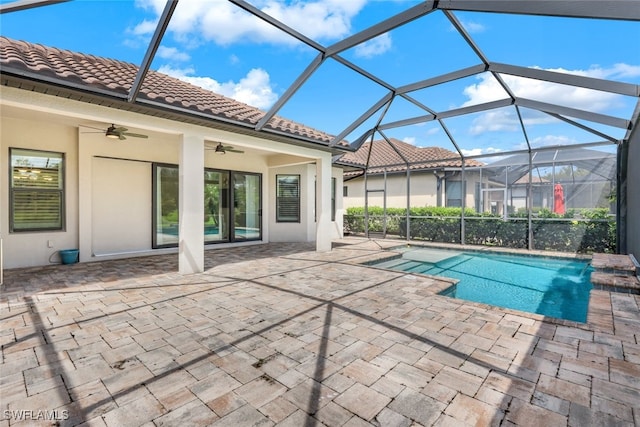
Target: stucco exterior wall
[107,183]
[424,191]
[292,231]
[306,229]
[35,248]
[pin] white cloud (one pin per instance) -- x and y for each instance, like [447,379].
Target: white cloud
[226,23]
[552,140]
[375,46]
[253,89]
[409,140]
[320,20]
[480,151]
[617,71]
[144,28]
[495,121]
[624,71]
[473,27]
[173,54]
[488,89]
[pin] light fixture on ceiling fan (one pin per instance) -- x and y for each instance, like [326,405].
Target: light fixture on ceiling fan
[121,133]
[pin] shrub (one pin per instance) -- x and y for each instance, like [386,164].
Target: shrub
[595,232]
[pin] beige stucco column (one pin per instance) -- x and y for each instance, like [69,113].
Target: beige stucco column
[323,203]
[191,205]
[85,197]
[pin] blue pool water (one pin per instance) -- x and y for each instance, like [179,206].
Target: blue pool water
[553,287]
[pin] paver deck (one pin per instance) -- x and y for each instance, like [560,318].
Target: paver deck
[279,334]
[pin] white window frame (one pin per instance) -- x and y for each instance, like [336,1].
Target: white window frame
[36,172]
[288,203]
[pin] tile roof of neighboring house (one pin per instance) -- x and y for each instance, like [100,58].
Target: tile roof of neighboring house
[109,75]
[383,156]
[535,180]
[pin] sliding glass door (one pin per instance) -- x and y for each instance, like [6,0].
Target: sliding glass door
[216,206]
[165,206]
[247,206]
[222,202]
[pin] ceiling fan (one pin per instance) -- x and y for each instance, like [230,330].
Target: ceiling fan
[119,132]
[222,149]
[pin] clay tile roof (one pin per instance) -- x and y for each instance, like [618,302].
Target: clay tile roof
[383,156]
[117,76]
[534,180]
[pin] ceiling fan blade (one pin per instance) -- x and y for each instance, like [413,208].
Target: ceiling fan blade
[135,135]
[233,150]
[91,127]
[120,129]
[121,136]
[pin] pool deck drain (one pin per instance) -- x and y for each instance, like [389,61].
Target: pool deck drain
[279,334]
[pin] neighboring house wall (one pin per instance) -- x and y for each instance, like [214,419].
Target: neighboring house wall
[424,190]
[517,198]
[108,185]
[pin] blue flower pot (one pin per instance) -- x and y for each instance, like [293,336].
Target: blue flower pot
[69,256]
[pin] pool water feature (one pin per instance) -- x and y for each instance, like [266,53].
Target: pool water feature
[554,287]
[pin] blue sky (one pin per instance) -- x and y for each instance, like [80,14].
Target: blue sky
[218,46]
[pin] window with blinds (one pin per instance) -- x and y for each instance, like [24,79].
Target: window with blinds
[36,190]
[287,198]
[453,190]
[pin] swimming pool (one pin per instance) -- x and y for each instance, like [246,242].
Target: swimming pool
[554,287]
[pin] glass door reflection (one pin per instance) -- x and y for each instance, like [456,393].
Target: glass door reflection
[216,206]
[247,206]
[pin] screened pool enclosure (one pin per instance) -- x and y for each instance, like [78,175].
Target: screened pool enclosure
[547,144]
[552,199]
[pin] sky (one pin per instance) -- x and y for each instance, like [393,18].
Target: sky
[216,45]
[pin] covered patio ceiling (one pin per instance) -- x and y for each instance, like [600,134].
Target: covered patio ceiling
[390,107]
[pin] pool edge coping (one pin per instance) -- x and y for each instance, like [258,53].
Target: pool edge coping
[436,288]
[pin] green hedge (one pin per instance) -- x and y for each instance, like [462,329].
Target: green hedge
[594,233]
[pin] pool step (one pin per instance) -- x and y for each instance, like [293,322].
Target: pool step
[392,263]
[408,266]
[617,264]
[615,273]
[615,282]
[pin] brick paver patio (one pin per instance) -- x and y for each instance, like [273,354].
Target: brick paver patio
[278,334]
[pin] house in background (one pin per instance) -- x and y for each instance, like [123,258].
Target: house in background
[500,188]
[435,176]
[171,168]
[587,178]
